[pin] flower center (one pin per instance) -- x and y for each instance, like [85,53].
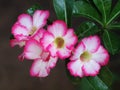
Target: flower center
[33,30]
[85,56]
[59,42]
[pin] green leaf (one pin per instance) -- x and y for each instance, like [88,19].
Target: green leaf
[111,41]
[33,8]
[63,9]
[104,6]
[114,26]
[85,9]
[86,29]
[101,82]
[115,12]
[85,85]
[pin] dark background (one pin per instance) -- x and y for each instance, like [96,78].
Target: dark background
[14,75]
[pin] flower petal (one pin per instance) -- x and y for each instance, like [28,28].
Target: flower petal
[75,68]
[91,43]
[70,38]
[91,68]
[25,20]
[58,28]
[53,51]
[17,29]
[39,69]
[22,37]
[101,56]
[63,53]
[78,51]
[39,34]
[32,49]
[46,40]
[15,42]
[52,62]
[40,18]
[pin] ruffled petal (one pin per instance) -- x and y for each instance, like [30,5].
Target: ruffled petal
[52,62]
[25,20]
[78,51]
[40,18]
[91,68]
[101,56]
[75,68]
[63,53]
[47,40]
[53,51]
[39,35]
[70,39]
[46,57]
[32,49]
[91,43]
[58,28]
[39,69]
[17,29]
[22,37]
[15,42]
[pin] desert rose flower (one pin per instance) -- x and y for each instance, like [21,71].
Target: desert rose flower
[41,67]
[88,57]
[43,62]
[59,40]
[26,25]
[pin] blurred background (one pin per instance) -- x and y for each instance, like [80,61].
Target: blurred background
[14,74]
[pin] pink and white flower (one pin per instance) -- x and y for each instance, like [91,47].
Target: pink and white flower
[59,40]
[88,57]
[41,67]
[43,62]
[27,26]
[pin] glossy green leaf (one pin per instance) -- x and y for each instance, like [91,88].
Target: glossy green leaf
[101,82]
[85,85]
[86,29]
[115,12]
[104,6]
[33,8]
[63,9]
[85,9]
[111,41]
[114,26]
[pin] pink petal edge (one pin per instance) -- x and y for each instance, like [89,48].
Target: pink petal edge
[88,73]
[71,70]
[58,28]
[91,43]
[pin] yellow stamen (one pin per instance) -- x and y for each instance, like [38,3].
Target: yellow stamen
[85,56]
[33,30]
[59,42]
